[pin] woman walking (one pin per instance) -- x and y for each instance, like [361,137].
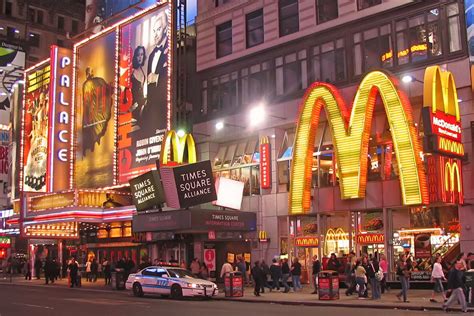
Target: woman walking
[384,266]
[361,279]
[437,277]
[403,271]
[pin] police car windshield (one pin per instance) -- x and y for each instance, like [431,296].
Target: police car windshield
[180,273]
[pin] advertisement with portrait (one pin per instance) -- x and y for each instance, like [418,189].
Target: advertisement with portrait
[35,129]
[144,84]
[94,101]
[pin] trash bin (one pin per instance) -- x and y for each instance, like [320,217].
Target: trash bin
[117,280]
[469,275]
[233,284]
[328,285]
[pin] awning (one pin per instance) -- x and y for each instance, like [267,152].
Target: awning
[195,220]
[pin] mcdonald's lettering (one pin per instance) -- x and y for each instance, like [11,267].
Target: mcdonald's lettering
[445,179]
[364,239]
[175,148]
[262,236]
[265,164]
[351,132]
[307,242]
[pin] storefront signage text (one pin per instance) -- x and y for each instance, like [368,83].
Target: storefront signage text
[306,241]
[265,164]
[366,239]
[5,242]
[147,191]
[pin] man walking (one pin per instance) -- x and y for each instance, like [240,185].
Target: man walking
[257,275]
[73,270]
[316,270]
[275,272]
[456,286]
[285,274]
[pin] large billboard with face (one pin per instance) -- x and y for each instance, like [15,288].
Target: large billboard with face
[144,84]
[35,128]
[94,109]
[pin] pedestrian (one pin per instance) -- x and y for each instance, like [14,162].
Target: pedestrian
[49,270]
[333,263]
[384,266]
[129,267]
[257,275]
[403,272]
[195,267]
[275,272]
[361,278]
[349,272]
[226,268]
[38,265]
[437,277]
[456,286]
[285,274]
[182,264]
[88,270]
[266,272]
[373,273]
[241,267]
[27,269]
[107,271]
[204,271]
[73,268]
[296,275]
[94,270]
[316,270]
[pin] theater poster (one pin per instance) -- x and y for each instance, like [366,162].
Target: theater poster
[144,107]
[94,101]
[35,129]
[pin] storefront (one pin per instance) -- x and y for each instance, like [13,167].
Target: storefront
[211,236]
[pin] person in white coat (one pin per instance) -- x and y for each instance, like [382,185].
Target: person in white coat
[437,277]
[226,267]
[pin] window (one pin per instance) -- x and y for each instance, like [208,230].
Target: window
[222,92]
[12,33]
[75,27]
[257,83]
[60,22]
[221,2]
[254,25]
[34,40]
[39,17]
[288,16]
[326,10]
[31,15]
[291,73]
[224,39]
[364,4]
[372,49]
[8,8]
[329,62]
[454,29]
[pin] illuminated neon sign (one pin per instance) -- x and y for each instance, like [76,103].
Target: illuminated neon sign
[351,132]
[265,164]
[174,149]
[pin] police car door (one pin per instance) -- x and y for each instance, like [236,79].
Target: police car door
[162,281]
[149,277]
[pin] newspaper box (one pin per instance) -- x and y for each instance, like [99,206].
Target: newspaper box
[328,285]
[233,284]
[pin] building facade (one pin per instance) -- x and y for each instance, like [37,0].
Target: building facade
[265,55]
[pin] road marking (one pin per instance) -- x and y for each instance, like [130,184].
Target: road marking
[102,301]
[31,305]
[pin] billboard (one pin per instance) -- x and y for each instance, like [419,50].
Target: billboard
[35,128]
[94,96]
[144,84]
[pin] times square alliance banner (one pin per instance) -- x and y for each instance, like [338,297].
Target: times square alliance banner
[94,100]
[144,82]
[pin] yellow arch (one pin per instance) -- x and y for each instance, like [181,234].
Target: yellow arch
[173,148]
[439,92]
[452,174]
[350,138]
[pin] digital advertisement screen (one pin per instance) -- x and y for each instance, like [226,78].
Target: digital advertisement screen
[36,126]
[145,60]
[94,101]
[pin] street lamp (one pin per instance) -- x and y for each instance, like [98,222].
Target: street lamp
[409,78]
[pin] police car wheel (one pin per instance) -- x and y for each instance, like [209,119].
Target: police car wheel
[176,292]
[137,290]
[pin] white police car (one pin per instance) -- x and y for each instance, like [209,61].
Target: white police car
[172,281]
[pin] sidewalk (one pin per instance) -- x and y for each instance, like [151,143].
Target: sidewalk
[418,299]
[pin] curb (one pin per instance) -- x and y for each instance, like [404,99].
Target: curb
[354,305]
[61,287]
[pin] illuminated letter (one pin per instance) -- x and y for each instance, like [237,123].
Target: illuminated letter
[175,147]
[62,155]
[65,61]
[61,99]
[61,136]
[350,135]
[63,118]
[64,81]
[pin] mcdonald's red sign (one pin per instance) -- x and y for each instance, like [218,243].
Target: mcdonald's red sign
[365,239]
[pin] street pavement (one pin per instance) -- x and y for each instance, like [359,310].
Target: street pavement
[22,297]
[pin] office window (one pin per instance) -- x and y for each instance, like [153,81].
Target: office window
[373,49]
[224,39]
[326,10]
[12,33]
[34,39]
[75,27]
[288,16]
[222,92]
[31,15]
[454,28]
[8,8]
[39,17]
[364,4]
[329,62]
[60,22]
[221,2]
[291,73]
[254,26]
